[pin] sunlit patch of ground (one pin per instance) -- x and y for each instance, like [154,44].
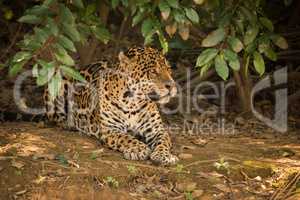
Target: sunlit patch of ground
[49,163]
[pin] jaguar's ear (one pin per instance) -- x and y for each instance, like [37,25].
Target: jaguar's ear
[122,58]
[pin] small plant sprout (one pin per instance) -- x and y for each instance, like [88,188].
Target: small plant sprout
[188,196]
[112,182]
[94,156]
[131,169]
[179,168]
[222,165]
[157,194]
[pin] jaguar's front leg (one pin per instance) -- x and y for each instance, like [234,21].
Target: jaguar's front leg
[162,150]
[158,139]
[131,148]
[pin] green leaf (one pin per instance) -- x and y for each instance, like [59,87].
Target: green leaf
[48,2]
[206,56]
[173,3]
[20,56]
[221,67]
[248,14]
[101,33]
[192,15]
[225,20]
[232,59]
[280,41]
[251,34]
[46,73]
[35,70]
[148,39]
[235,44]
[30,19]
[40,10]
[41,35]
[8,14]
[54,85]
[288,2]
[204,69]
[270,53]
[2,65]
[90,9]
[66,43]
[163,6]
[46,65]
[78,4]
[62,55]
[71,31]
[69,71]
[137,18]
[16,67]
[251,48]
[259,63]
[85,32]
[214,38]
[163,42]
[239,25]
[66,14]
[179,16]
[164,9]
[114,3]
[33,45]
[147,27]
[199,2]
[52,26]
[263,43]
[125,3]
[62,160]
[267,23]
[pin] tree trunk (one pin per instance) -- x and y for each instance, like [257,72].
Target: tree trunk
[244,87]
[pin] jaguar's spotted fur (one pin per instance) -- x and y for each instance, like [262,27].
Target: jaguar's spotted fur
[118,104]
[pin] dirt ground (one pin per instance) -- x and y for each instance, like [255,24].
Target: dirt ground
[40,162]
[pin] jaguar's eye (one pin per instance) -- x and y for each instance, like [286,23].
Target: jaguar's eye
[154,72]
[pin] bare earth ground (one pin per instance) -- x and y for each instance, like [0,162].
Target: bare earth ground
[38,162]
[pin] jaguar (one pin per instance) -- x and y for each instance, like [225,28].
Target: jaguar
[119,104]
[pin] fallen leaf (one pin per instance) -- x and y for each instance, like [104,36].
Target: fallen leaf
[72,163]
[40,179]
[222,188]
[43,156]
[17,164]
[258,178]
[200,142]
[185,156]
[197,193]
[186,186]
[21,192]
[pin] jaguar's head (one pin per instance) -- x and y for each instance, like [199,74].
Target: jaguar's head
[151,72]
